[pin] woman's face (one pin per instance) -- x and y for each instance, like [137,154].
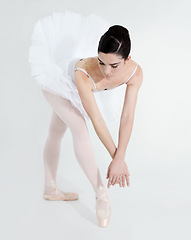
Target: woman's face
[111,65]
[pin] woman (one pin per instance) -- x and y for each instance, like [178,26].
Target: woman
[68,84]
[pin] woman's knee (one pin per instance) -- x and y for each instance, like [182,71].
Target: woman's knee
[70,115]
[57,127]
[79,129]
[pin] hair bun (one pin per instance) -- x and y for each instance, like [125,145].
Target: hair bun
[118,29]
[116,40]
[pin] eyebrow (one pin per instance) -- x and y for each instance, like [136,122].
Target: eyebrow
[109,64]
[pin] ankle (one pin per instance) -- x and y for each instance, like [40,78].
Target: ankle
[100,188]
[49,188]
[101,193]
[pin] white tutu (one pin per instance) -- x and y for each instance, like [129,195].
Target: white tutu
[61,38]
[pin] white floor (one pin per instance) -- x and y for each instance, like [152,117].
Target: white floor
[155,206]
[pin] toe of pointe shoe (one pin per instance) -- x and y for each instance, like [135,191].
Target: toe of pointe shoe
[103,222]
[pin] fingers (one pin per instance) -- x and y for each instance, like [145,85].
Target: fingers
[107,174]
[113,179]
[109,181]
[120,178]
[123,181]
[127,180]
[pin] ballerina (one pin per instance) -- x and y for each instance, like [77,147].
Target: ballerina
[68,85]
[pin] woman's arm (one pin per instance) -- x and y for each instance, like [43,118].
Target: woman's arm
[117,167]
[85,88]
[127,116]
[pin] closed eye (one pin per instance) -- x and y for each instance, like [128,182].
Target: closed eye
[104,64]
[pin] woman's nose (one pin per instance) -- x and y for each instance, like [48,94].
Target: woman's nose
[107,70]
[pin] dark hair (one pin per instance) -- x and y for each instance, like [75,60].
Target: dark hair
[115,40]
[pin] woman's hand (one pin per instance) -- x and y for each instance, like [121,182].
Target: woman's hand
[118,173]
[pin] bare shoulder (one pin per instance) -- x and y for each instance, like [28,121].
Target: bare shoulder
[83,82]
[137,78]
[91,64]
[87,63]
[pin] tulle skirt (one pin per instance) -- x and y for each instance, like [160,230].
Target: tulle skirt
[58,42]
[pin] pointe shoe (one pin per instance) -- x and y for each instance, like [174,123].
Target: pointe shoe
[58,195]
[103,208]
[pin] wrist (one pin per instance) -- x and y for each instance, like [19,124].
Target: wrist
[114,153]
[119,156]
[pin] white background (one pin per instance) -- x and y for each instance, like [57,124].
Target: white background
[157,205]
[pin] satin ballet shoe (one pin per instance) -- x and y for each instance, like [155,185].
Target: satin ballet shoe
[58,195]
[103,208]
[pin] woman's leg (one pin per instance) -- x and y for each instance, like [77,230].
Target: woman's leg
[83,149]
[51,151]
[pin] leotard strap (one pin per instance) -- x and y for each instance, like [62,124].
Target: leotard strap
[132,73]
[88,76]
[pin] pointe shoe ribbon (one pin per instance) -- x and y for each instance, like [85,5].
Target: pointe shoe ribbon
[58,195]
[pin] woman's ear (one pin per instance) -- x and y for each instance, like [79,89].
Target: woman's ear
[128,58]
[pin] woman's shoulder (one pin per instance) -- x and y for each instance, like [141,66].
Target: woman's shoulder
[137,74]
[87,63]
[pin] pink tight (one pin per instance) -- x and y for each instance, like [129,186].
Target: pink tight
[65,115]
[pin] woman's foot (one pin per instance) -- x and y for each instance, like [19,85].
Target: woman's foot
[103,208]
[58,195]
